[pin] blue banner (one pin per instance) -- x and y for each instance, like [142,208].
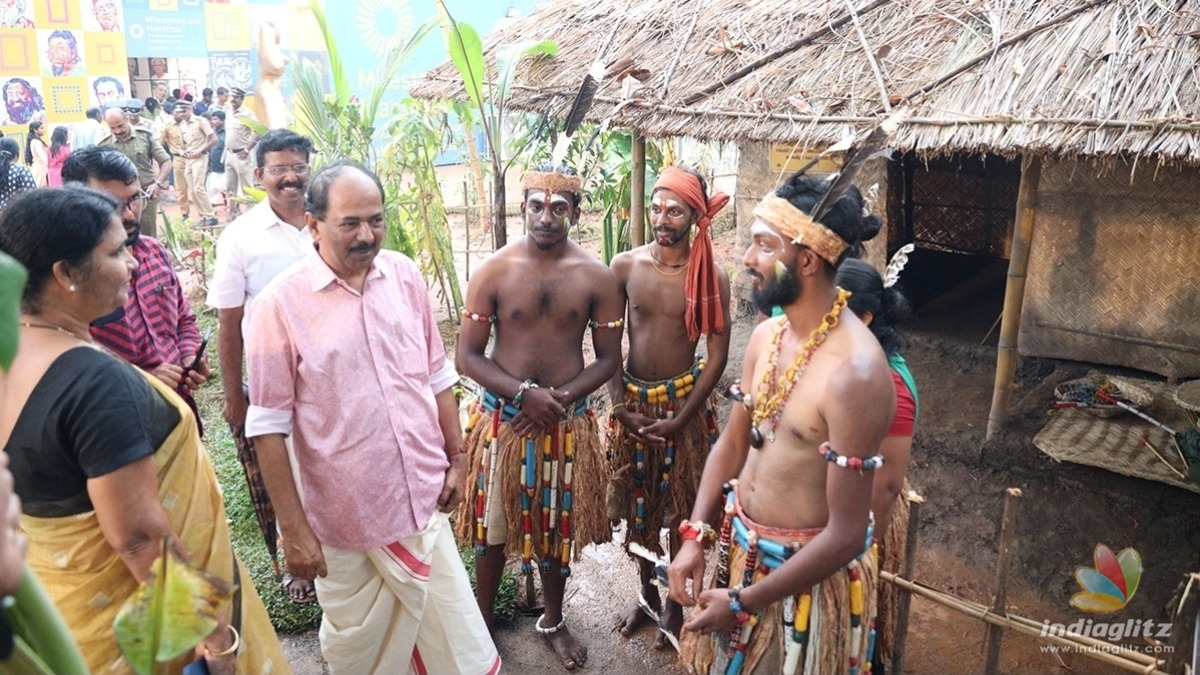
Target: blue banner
[171,28]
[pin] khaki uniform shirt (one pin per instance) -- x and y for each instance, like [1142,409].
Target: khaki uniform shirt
[238,135]
[189,136]
[142,149]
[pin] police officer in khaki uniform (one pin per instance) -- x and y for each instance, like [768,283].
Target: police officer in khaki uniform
[239,147]
[138,144]
[188,139]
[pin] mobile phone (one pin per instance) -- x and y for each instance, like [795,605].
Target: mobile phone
[187,370]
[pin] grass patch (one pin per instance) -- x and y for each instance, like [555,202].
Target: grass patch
[286,616]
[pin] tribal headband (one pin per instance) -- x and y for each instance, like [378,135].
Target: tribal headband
[552,182]
[801,229]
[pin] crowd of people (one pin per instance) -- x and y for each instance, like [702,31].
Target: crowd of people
[177,143]
[335,374]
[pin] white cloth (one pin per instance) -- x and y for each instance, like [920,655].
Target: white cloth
[83,135]
[404,608]
[254,249]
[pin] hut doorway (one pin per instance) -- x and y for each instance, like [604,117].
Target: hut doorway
[959,211]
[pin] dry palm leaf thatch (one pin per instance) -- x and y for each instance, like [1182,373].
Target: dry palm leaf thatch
[1081,78]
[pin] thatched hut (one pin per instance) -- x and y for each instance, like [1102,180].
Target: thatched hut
[1085,110]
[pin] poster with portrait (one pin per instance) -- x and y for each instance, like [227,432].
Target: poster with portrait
[102,15]
[61,52]
[16,14]
[107,91]
[23,101]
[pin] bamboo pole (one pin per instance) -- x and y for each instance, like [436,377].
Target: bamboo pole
[904,599]
[637,192]
[467,228]
[1014,293]
[1185,620]
[1008,531]
[1108,652]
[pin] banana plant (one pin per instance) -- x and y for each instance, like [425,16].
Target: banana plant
[42,643]
[490,96]
[339,124]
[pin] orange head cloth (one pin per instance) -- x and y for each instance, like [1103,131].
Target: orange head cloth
[704,314]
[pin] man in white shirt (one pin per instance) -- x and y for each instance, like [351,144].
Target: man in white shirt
[256,247]
[84,134]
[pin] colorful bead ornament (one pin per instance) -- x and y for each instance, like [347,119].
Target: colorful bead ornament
[593,324]
[774,391]
[565,523]
[671,390]
[488,319]
[853,463]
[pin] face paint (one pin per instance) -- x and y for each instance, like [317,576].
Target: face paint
[780,270]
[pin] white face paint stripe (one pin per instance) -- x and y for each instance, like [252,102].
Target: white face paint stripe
[760,228]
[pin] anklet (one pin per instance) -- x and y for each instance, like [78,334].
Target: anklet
[550,631]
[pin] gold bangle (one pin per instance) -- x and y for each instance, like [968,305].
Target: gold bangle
[237,642]
[613,410]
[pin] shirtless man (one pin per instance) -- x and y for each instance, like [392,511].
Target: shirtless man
[541,292]
[818,399]
[675,293]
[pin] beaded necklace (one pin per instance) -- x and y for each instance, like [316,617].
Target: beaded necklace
[773,393]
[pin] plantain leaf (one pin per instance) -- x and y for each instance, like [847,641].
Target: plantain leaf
[172,611]
[12,283]
[341,84]
[466,52]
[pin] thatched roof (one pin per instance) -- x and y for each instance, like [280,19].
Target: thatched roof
[1069,77]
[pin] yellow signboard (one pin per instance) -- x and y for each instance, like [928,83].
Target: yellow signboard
[791,157]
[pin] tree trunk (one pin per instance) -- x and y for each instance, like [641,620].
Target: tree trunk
[499,213]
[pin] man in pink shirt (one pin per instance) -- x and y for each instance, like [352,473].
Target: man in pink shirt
[344,354]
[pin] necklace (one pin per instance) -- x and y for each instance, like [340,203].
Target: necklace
[773,393]
[60,329]
[658,265]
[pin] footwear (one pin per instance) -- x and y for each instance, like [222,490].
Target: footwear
[299,591]
[208,222]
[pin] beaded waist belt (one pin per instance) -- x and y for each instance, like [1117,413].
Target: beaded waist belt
[491,401]
[766,554]
[671,389]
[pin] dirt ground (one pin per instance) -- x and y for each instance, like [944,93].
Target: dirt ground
[1065,512]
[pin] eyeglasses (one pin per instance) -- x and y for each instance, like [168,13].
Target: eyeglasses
[300,170]
[139,198]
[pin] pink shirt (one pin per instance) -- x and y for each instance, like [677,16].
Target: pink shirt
[352,378]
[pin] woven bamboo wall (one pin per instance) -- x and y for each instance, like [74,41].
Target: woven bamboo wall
[1114,268]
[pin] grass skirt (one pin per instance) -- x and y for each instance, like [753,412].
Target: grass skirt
[587,520]
[830,638]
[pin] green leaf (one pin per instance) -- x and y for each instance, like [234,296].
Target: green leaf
[171,613]
[254,125]
[12,284]
[337,71]
[395,60]
[507,58]
[466,52]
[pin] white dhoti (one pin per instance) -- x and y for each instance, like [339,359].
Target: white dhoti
[404,608]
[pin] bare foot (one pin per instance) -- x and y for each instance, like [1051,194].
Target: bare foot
[570,652]
[632,620]
[672,620]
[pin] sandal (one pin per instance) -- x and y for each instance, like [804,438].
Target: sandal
[299,591]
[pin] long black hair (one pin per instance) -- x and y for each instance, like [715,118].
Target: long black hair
[887,306]
[33,126]
[58,139]
[9,150]
[846,217]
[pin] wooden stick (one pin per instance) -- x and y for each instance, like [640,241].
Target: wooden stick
[782,51]
[1008,531]
[1181,624]
[1161,458]
[904,599]
[862,38]
[1014,294]
[1112,653]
